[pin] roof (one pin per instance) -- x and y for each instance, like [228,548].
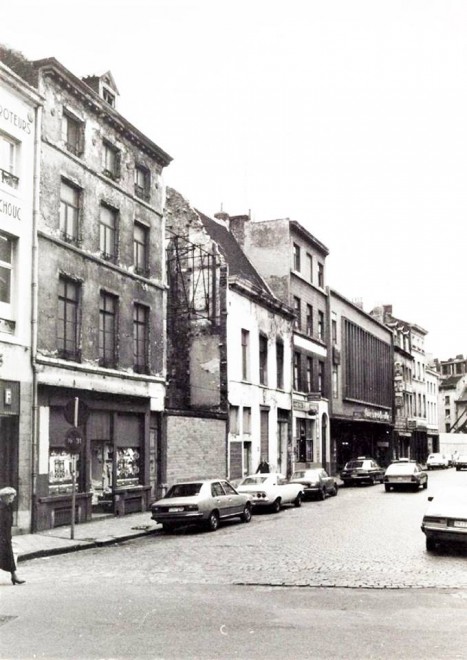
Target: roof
[463,397]
[450,382]
[238,262]
[54,68]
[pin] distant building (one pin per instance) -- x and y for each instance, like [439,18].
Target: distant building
[293,263]
[20,125]
[414,437]
[453,404]
[362,357]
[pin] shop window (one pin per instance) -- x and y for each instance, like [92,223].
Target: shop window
[60,459]
[128,466]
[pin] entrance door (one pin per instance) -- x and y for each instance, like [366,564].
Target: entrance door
[101,475]
[9,451]
[264,421]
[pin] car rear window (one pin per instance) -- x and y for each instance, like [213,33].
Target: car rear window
[401,468]
[184,490]
[251,481]
[298,475]
[354,464]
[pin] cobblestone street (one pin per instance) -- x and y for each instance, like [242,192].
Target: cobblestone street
[364,537]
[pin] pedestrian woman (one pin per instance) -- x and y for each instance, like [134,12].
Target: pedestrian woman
[7,559]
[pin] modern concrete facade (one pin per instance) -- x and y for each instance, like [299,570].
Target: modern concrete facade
[362,355]
[292,261]
[20,123]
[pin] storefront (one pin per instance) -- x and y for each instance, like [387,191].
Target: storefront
[9,433]
[117,467]
[362,436]
[310,431]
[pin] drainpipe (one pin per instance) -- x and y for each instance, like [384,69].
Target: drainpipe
[34,314]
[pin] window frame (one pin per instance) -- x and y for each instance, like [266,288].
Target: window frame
[296,257]
[9,175]
[245,347]
[142,191]
[279,364]
[115,171]
[263,359]
[108,233]
[108,357]
[74,304]
[297,306]
[65,206]
[140,357]
[71,121]
[143,269]
[6,306]
[309,320]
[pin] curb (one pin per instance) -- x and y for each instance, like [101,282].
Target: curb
[84,545]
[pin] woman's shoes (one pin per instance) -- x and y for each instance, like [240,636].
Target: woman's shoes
[15,580]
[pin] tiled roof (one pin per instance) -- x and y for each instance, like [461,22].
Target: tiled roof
[230,249]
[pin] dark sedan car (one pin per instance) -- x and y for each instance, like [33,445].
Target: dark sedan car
[362,470]
[316,482]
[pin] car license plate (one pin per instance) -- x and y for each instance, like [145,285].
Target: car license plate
[460,523]
[354,474]
[175,509]
[400,478]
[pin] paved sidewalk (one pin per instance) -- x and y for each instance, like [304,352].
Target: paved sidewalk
[96,533]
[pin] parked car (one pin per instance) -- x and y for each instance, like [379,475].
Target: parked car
[362,470]
[316,482]
[403,474]
[461,462]
[201,502]
[445,519]
[271,490]
[437,461]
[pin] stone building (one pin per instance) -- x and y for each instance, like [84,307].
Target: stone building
[238,352]
[101,302]
[292,261]
[20,119]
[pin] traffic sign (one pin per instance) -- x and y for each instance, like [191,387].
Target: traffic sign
[74,440]
[76,407]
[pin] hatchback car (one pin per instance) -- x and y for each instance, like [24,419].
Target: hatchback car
[203,502]
[405,474]
[316,482]
[461,462]
[437,461]
[445,519]
[362,470]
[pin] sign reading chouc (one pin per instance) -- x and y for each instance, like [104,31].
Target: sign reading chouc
[9,209]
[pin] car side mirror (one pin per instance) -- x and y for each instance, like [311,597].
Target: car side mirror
[430,499]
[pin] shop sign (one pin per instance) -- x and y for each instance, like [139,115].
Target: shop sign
[382,443]
[299,405]
[377,415]
[9,397]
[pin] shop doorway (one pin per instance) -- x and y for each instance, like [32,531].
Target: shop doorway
[102,476]
[9,451]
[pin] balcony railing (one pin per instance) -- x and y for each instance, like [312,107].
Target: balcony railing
[9,178]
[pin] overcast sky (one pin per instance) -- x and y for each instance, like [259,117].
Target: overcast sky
[349,116]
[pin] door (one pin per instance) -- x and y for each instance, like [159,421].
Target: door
[220,499]
[9,451]
[264,422]
[234,500]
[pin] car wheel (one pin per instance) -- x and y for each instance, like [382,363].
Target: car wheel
[276,506]
[425,485]
[458,469]
[387,488]
[298,500]
[416,487]
[335,490]
[213,521]
[430,544]
[246,515]
[322,495]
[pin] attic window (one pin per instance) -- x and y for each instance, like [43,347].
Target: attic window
[108,96]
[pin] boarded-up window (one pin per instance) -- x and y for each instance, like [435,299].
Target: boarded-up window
[235,460]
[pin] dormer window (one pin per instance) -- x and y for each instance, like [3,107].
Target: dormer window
[108,96]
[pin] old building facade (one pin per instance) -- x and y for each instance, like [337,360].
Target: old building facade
[292,261]
[101,301]
[362,417]
[20,117]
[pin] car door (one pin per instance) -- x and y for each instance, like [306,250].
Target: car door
[421,473]
[326,480]
[221,501]
[235,501]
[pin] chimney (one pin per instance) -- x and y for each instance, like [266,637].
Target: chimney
[237,227]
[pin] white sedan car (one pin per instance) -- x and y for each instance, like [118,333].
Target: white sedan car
[271,490]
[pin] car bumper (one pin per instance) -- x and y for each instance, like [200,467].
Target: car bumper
[184,518]
[446,535]
[263,501]
[359,478]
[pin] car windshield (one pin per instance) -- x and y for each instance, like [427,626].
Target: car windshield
[184,490]
[251,481]
[354,464]
[401,468]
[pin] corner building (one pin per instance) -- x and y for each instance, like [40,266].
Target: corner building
[101,301]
